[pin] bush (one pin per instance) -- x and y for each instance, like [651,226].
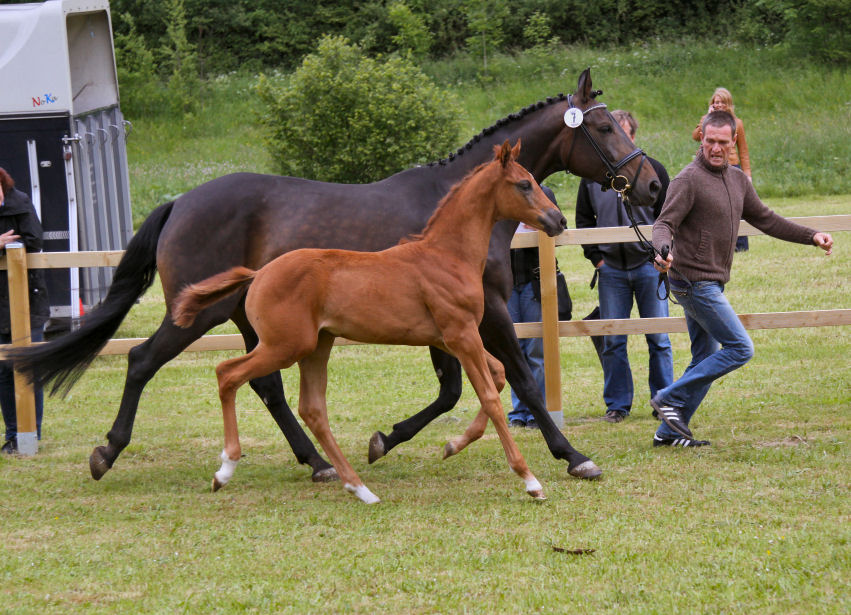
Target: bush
[344,117]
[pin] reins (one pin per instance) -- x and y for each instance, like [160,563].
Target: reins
[621,185]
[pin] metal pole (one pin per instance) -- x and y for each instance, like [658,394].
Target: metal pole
[549,320]
[19,310]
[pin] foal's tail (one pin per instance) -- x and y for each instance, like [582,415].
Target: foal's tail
[64,359]
[196,297]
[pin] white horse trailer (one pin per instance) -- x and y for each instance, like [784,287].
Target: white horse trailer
[62,137]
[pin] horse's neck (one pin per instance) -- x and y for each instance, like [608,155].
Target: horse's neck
[464,223]
[537,129]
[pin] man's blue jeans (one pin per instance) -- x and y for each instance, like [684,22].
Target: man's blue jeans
[616,290]
[7,392]
[523,307]
[719,345]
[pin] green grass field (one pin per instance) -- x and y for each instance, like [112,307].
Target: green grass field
[757,523]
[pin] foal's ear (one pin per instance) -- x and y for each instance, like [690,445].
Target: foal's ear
[503,152]
[583,87]
[515,151]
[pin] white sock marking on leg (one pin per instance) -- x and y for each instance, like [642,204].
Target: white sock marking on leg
[532,484]
[225,472]
[363,493]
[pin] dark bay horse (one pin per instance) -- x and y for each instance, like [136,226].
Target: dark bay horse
[248,219]
[423,292]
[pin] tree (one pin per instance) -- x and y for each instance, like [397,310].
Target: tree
[484,20]
[344,117]
[184,83]
[413,35]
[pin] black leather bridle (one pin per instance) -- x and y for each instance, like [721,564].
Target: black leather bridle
[621,185]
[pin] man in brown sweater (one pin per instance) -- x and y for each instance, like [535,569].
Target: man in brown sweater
[700,222]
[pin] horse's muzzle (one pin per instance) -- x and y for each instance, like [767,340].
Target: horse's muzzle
[553,222]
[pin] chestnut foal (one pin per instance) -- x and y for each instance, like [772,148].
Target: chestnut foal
[426,291]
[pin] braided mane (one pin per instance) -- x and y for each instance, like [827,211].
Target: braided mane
[499,124]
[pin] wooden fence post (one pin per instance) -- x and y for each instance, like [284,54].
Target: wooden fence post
[549,323]
[19,310]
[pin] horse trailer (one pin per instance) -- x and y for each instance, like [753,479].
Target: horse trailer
[63,138]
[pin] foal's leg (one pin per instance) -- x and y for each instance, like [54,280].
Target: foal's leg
[477,428]
[467,346]
[498,335]
[232,374]
[313,410]
[270,389]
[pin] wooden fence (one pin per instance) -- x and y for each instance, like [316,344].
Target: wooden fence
[551,329]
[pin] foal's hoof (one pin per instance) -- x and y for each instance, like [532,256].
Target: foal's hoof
[216,484]
[377,449]
[587,470]
[98,464]
[327,475]
[449,450]
[534,489]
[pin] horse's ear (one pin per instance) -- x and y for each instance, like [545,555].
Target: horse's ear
[515,151]
[503,152]
[583,87]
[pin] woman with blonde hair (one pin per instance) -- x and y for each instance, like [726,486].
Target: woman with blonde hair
[738,156]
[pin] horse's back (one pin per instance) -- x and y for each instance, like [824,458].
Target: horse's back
[363,296]
[248,219]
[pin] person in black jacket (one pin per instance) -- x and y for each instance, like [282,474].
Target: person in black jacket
[623,271]
[524,305]
[19,222]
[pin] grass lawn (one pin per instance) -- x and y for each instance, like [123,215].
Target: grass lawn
[756,523]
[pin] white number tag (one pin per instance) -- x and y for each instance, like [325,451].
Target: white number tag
[573,117]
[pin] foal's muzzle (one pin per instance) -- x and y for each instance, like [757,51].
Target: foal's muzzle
[553,222]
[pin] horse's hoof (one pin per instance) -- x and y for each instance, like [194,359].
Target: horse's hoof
[363,493]
[325,476]
[216,484]
[98,465]
[534,489]
[587,470]
[449,450]
[377,449]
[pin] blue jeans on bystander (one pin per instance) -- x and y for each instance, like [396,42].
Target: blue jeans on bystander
[616,288]
[719,345]
[523,307]
[7,392]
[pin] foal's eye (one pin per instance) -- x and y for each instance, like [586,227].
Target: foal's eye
[524,185]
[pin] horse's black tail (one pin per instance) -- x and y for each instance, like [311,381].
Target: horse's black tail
[63,360]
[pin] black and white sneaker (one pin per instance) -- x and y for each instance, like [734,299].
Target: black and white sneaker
[672,416]
[657,441]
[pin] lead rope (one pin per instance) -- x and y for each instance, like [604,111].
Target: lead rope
[651,251]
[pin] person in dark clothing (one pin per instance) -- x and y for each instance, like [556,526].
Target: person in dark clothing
[524,305]
[623,271]
[19,222]
[700,223]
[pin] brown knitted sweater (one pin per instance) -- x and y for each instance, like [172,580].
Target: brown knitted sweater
[701,213]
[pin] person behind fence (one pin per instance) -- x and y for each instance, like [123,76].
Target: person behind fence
[700,222]
[19,222]
[738,157]
[623,271]
[524,305]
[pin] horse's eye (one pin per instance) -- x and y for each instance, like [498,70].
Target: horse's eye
[605,128]
[524,185]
